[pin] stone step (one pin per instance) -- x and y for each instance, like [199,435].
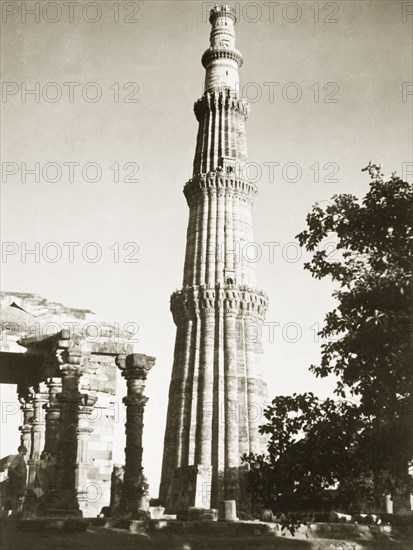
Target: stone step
[322,534]
[356,531]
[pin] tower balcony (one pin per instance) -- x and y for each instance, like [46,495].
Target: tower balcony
[239,300]
[222,97]
[212,54]
[226,180]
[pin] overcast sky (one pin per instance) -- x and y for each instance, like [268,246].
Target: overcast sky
[333,100]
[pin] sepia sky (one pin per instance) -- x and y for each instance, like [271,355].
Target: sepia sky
[326,95]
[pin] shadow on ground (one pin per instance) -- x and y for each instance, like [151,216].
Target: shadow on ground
[100,538]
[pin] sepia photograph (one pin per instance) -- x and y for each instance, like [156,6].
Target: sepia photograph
[206,292]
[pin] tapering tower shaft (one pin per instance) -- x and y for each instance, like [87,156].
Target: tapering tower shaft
[217,388]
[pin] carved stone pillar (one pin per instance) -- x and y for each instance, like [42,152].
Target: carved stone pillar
[67,446]
[116,486]
[83,431]
[74,431]
[52,408]
[39,423]
[26,400]
[135,368]
[38,430]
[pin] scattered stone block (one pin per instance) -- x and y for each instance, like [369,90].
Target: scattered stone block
[156,512]
[228,510]
[169,517]
[210,515]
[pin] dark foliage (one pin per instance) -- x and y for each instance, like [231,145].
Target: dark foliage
[360,444]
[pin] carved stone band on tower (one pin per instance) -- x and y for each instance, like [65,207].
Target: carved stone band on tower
[217,390]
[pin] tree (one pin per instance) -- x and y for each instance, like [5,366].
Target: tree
[307,439]
[363,445]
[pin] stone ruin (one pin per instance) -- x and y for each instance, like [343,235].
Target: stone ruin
[64,363]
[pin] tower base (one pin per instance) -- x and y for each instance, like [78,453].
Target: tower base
[197,487]
[190,487]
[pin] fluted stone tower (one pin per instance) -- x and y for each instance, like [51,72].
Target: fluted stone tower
[217,389]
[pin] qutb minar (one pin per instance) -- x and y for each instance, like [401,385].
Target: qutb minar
[217,390]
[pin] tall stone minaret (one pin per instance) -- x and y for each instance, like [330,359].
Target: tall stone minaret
[217,388]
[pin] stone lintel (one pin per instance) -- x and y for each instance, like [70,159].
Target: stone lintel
[108,342]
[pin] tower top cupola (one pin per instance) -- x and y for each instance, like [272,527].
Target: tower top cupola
[222,11]
[222,60]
